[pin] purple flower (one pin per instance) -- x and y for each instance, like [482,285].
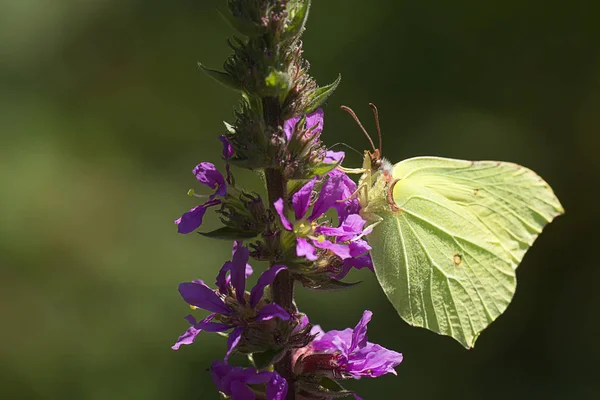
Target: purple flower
[350,203]
[227,147]
[352,356]
[313,127]
[334,157]
[359,259]
[234,309]
[234,381]
[351,226]
[309,235]
[207,174]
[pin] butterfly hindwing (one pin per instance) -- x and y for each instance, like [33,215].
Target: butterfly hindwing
[446,255]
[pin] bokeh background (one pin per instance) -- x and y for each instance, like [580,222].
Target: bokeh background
[103,114]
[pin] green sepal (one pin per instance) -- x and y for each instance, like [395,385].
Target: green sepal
[288,242]
[322,169]
[243,26]
[298,18]
[323,283]
[324,388]
[222,77]
[229,233]
[293,185]
[229,127]
[334,285]
[322,94]
[331,386]
[277,84]
[264,359]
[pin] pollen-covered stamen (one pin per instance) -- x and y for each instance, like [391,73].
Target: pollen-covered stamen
[242,312]
[303,228]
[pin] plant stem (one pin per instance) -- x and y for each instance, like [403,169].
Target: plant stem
[283,285]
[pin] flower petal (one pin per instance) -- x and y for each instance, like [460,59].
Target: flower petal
[240,391]
[359,247]
[314,121]
[331,191]
[305,249]
[234,381]
[350,228]
[359,250]
[227,147]
[233,340]
[279,206]
[238,272]
[359,336]
[317,331]
[357,356]
[301,199]
[266,278]
[277,388]
[198,294]
[190,334]
[340,250]
[223,277]
[373,361]
[289,126]
[332,341]
[208,174]
[212,326]
[348,202]
[236,244]
[271,311]
[191,220]
[332,157]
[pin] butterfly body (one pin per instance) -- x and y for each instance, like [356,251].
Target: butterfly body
[448,235]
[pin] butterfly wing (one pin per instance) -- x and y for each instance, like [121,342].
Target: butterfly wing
[446,256]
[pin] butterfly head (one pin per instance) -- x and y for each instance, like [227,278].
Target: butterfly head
[373,160]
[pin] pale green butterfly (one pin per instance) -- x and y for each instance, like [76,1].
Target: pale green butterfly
[449,234]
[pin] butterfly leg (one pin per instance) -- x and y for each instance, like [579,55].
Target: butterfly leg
[355,194]
[353,170]
[376,220]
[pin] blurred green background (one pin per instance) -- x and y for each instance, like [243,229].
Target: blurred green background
[103,114]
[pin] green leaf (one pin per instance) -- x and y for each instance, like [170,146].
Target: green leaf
[245,27]
[298,17]
[322,94]
[322,169]
[229,233]
[263,359]
[222,77]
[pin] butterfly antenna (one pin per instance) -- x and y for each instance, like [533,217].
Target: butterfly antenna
[353,114]
[376,114]
[346,145]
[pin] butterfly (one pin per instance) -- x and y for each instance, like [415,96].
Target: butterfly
[448,235]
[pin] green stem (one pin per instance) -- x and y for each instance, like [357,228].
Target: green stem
[282,288]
